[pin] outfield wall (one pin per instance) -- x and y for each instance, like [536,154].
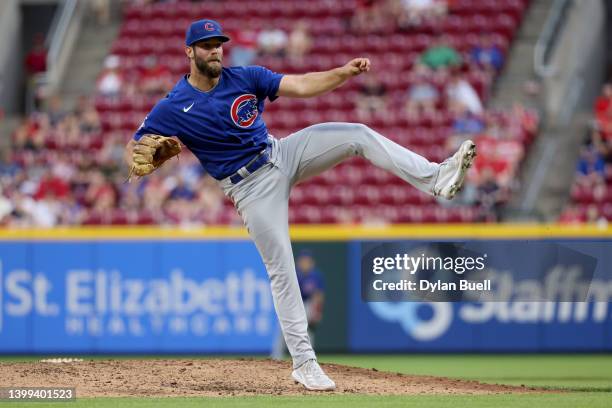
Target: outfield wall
[149,290]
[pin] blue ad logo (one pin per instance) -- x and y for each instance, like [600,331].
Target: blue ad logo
[518,321]
[99,297]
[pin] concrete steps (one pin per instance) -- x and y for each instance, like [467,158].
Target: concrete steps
[87,60]
[565,102]
[509,88]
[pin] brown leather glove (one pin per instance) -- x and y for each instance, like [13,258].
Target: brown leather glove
[150,152]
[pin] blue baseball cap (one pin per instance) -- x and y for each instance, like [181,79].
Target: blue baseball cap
[306,252]
[203,30]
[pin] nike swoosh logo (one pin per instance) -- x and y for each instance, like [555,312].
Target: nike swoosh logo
[187,108]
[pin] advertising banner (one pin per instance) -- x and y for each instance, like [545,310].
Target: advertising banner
[543,296]
[213,296]
[130,296]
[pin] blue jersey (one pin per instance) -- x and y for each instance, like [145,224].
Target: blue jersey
[222,127]
[310,283]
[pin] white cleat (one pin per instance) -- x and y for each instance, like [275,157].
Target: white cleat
[452,171]
[311,376]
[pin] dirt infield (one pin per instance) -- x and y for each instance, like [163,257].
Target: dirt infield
[220,377]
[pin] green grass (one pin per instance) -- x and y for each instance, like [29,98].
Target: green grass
[577,400]
[577,372]
[587,380]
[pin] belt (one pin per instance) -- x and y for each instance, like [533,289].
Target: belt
[251,167]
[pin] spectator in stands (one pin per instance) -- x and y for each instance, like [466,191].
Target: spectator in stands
[43,212]
[55,110]
[36,59]
[101,9]
[99,189]
[210,200]
[441,55]
[71,212]
[67,135]
[85,184]
[461,96]
[603,103]
[372,97]
[30,135]
[591,168]
[155,194]
[490,195]
[83,148]
[415,12]
[487,55]
[36,64]
[63,168]
[155,78]
[190,170]
[51,186]
[89,119]
[465,125]
[501,156]
[594,216]
[371,17]
[6,207]
[571,215]
[422,95]
[603,112]
[244,48]
[527,120]
[300,42]
[111,79]
[17,217]
[602,144]
[9,169]
[272,41]
[103,209]
[181,190]
[468,123]
[110,155]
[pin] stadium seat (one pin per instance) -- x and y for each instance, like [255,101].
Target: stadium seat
[354,191]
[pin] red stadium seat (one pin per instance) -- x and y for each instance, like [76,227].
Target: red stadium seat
[355,191]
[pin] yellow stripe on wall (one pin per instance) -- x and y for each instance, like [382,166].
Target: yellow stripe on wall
[317,232]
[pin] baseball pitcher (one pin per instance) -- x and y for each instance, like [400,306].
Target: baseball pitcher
[216,113]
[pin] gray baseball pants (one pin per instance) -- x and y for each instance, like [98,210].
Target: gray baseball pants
[262,200]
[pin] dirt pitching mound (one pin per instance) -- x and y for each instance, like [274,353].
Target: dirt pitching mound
[219,377]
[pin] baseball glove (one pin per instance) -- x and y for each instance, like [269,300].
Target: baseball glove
[150,152]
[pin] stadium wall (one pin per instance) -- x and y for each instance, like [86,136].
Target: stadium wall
[577,62]
[156,290]
[11,56]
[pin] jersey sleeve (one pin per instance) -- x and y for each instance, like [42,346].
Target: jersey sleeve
[266,82]
[320,281]
[158,122]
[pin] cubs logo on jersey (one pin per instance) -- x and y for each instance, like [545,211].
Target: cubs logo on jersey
[244,110]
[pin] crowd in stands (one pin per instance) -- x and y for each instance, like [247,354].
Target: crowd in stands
[66,166]
[502,139]
[65,170]
[591,195]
